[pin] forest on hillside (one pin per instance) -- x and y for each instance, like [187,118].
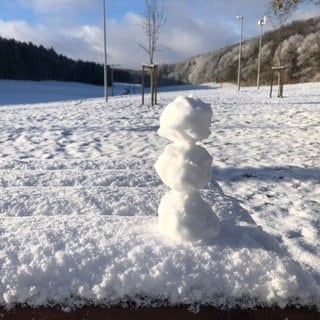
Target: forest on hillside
[26,61]
[300,50]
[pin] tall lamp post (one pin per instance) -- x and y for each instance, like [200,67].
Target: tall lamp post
[240,51]
[105,71]
[260,23]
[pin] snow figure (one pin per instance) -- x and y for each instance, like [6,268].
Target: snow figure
[185,167]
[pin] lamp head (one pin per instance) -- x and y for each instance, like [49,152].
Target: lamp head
[263,21]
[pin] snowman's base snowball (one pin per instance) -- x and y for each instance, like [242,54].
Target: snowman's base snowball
[187,217]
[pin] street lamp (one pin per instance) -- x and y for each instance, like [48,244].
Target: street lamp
[260,23]
[240,50]
[105,52]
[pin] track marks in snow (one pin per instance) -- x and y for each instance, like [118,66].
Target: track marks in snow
[86,131]
[81,187]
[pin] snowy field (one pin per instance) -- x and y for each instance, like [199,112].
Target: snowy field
[22,92]
[79,197]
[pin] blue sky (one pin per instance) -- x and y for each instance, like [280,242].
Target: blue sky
[74,27]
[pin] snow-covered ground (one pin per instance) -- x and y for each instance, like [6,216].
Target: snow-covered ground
[79,197]
[22,92]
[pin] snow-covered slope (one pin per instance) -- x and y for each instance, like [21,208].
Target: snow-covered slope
[79,198]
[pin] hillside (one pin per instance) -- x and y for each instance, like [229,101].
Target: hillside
[26,61]
[300,51]
[300,54]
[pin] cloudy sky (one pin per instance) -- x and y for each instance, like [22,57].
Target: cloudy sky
[75,27]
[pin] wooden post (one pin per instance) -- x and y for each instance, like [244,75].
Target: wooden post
[280,71]
[281,82]
[152,85]
[142,85]
[271,83]
[153,82]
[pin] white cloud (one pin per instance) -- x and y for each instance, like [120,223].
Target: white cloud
[124,38]
[192,37]
[193,27]
[22,31]
[183,35]
[84,42]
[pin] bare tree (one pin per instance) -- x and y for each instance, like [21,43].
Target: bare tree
[279,12]
[152,21]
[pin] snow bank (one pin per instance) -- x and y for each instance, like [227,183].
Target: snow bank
[22,91]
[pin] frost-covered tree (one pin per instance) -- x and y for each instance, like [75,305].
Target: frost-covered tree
[227,65]
[280,11]
[282,3]
[308,50]
[290,48]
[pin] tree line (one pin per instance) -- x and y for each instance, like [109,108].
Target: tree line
[26,61]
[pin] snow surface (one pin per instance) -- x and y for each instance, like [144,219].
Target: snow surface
[24,91]
[79,197]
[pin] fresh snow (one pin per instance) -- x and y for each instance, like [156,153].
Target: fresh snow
[79,198]
[22,91]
